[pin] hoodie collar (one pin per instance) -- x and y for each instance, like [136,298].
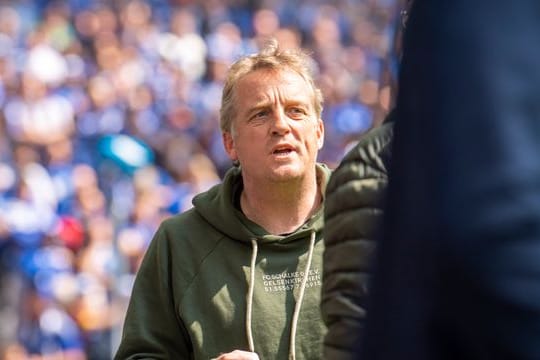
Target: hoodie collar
[216,206]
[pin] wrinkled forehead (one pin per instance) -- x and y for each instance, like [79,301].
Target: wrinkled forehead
[282,72]
[257,84]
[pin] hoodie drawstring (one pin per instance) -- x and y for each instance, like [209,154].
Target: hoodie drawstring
[298,305]
[296,314]
[250,295]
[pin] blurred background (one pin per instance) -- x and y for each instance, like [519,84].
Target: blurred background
[109,124]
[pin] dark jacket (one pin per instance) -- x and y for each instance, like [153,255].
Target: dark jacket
[353,213]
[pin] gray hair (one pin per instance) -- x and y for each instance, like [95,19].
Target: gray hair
[271,57]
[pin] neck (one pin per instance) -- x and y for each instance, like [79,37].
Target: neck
[281,208]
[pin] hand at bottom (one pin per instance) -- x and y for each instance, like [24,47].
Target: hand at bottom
[238,355]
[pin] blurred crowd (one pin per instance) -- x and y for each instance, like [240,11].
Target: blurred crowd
[109,123]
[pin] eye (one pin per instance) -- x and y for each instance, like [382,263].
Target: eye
[296,112]
[261,113]
[259,117]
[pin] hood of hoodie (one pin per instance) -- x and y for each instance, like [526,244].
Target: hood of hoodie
[217,207]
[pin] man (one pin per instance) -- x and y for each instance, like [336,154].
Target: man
[353,215]
[458,270]
[238,276]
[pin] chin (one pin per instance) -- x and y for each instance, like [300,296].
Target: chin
[287,173]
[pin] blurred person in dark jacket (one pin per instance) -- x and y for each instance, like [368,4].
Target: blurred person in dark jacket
[353,215]
[457,274]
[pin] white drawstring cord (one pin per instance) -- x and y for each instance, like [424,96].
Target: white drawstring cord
[296,314]
[250,295]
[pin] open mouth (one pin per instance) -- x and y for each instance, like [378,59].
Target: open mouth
[282,151]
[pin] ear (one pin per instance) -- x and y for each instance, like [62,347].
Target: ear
[320,133]
[228,143]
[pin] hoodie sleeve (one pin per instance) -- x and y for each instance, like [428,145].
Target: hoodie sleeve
[152,328]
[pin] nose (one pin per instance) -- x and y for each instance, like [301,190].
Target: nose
[280,125]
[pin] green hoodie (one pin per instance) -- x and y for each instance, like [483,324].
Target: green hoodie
[212,281]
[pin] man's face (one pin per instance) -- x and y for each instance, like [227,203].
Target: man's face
[276,133]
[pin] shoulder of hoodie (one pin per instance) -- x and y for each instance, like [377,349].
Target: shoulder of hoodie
[187,236]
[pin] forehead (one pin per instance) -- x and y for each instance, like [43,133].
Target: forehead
[262,83]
